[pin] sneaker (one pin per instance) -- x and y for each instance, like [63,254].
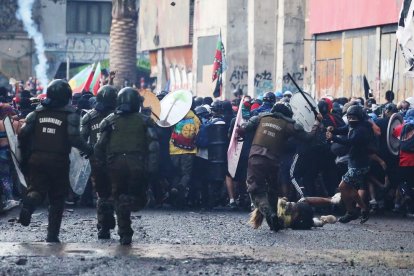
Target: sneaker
[364,217]
[348,217]
[25,217]
[232,205]
[336,199]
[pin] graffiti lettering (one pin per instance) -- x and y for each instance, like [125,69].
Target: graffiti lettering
[82,50]
[238,79]
[265,76]
[297,76]
[263,82]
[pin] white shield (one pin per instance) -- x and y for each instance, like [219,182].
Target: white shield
[302,111]
[174,107]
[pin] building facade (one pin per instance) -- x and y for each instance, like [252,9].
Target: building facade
[263,41]
[350,40]
[74,31]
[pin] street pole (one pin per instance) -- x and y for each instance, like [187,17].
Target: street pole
[67,68]
[393,69]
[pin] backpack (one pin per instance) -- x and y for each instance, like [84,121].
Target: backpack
[201,140]
[407,138]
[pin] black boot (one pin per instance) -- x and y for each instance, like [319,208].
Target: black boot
[106,219]
[55,219]
[104,234]
[273,222]
[27,210]
[123,214]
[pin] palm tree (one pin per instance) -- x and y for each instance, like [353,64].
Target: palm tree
[123,41]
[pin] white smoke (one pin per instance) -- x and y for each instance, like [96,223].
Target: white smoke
[24,13]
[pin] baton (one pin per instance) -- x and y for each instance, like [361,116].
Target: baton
[303,94]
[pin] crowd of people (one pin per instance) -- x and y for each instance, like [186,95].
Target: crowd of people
[284,172]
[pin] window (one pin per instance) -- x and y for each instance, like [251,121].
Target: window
[88,17]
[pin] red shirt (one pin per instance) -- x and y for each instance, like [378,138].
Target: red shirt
[406,158]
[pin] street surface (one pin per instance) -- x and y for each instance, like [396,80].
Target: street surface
[205,243]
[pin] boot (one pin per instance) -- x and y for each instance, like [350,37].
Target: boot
[106,219]
[104,234]
[125,240]
[55,220]
[125,231]
[27,210]
[273,222]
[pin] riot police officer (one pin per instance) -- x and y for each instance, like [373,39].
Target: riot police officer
[128,143]
[272,131]
[46,139]
[105,104]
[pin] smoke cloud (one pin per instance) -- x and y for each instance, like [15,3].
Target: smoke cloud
[24,13]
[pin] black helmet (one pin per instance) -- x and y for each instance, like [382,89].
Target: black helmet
[201,111]
[217,107]
[283,108]
[106,98]
[128,100]
[58,94]
[357,111]
[304,217]
[323,107]
[198,101]
[269,97]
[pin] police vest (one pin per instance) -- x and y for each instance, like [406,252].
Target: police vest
[128,135]
[94,128]
[271,134]
[51,132]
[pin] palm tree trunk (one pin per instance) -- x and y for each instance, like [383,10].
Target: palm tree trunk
[123,42]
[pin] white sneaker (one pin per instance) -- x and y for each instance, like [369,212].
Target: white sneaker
[336,199]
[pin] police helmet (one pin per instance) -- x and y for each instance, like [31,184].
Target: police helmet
[58,94]
[269,97]
[283,108]
[128,100]
[106,98]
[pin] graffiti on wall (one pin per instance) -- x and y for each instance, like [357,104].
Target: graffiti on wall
[81,49]
[287,83]
[238,78]
[263,82]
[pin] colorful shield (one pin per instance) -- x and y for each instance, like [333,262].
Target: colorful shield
[393,142]
[174,107]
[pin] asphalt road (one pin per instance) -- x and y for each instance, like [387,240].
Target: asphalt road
[206,243]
